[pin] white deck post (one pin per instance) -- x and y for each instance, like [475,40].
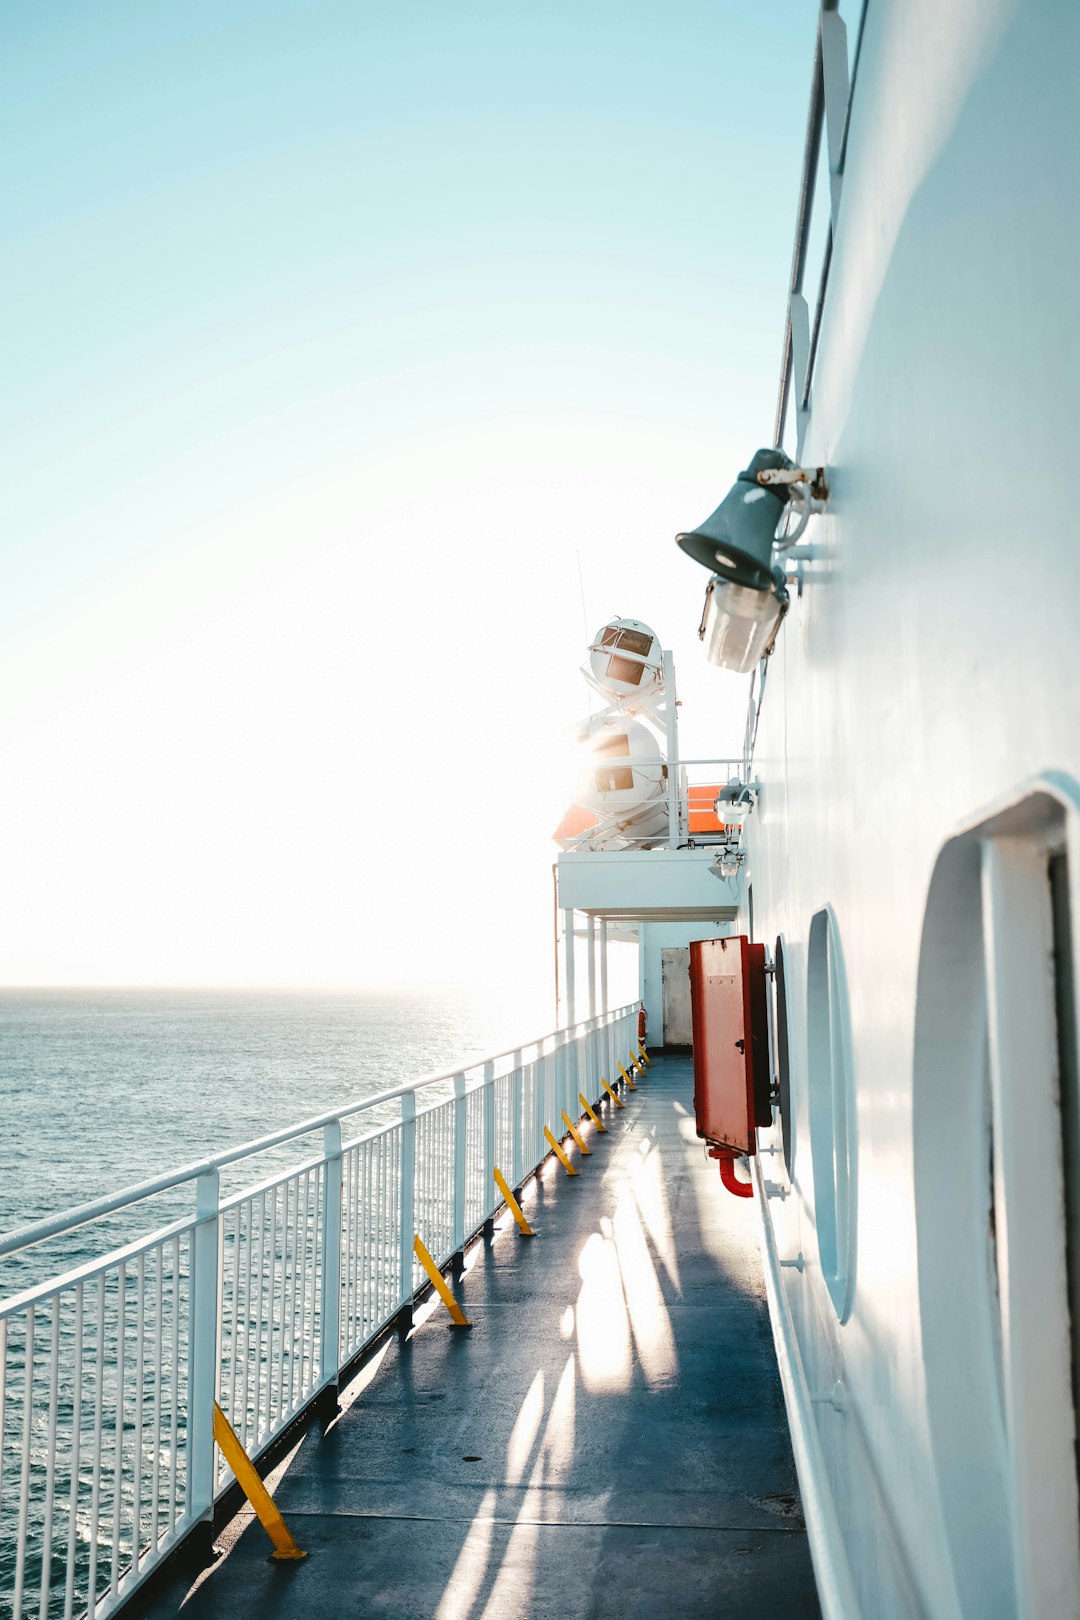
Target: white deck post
[205,1250]
[540,1091]
[461,1159]
[591,930]
[330,1314]
[568,955]
[489,1136]
[407,1231]
[517,1127]
[603,965]
[671,724]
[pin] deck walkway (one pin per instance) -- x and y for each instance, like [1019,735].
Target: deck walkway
[608,1440]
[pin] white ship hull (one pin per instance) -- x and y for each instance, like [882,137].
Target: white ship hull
[925,680]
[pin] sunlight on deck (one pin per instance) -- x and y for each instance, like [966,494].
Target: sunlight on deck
[467,1580]
[603,1327]
[523,1434]
[647,1179]
[649,1319]
[573,1389]
[545,1457]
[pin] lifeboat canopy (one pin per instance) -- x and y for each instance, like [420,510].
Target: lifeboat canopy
[626,660]
[624,778]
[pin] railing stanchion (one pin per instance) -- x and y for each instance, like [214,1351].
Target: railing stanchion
[517,1121]
[572,1070]
[540,1087]
[204,1354]
[461,1163]
[489,1135]
[407,1233]
[590,935]
[671,727]
[330,1312]
[552,1089]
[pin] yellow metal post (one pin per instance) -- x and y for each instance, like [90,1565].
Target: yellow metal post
[560,1154]
[512,1204]
[637,1066]
[645,1055]
[575,1133]
[597,1121]
[457,1315]
[616,1099]
[253,1488]
[627,1078]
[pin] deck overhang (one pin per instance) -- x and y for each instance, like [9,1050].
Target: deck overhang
[647,885]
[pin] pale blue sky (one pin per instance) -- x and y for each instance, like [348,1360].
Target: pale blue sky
[329,327]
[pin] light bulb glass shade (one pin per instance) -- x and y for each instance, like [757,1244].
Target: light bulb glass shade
[738,624]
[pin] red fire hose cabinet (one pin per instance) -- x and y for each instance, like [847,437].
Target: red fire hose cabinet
[729,1010]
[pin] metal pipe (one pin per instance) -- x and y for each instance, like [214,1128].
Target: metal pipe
[733,1183]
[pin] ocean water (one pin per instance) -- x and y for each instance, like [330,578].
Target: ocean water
[100,1089]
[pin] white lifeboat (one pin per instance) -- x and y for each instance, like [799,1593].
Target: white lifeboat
[624,781]
[626,661]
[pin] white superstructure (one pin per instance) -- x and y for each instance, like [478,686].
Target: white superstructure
[913,860]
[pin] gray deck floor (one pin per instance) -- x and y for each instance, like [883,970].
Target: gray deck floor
[608,1440]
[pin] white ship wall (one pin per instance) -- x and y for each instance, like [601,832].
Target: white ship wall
[655,939]
[928,674]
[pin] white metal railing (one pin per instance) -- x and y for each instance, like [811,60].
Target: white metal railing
[109,1372]
[680,784]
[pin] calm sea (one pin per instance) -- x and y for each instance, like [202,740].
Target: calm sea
[103,1088]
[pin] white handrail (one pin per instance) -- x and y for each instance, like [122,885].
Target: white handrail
[26,1237]
[257,1301]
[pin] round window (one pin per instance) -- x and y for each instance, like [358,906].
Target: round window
[832,1135]
[783,1061]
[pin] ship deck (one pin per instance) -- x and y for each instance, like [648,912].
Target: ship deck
[609,1439]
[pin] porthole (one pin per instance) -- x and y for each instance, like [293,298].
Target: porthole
[831,1110]
[783,1062]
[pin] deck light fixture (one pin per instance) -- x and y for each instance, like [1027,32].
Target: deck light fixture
[739,625]
[733,804]
[746,599]
[727,863]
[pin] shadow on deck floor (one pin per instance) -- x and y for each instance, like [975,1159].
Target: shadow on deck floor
[608,1440]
